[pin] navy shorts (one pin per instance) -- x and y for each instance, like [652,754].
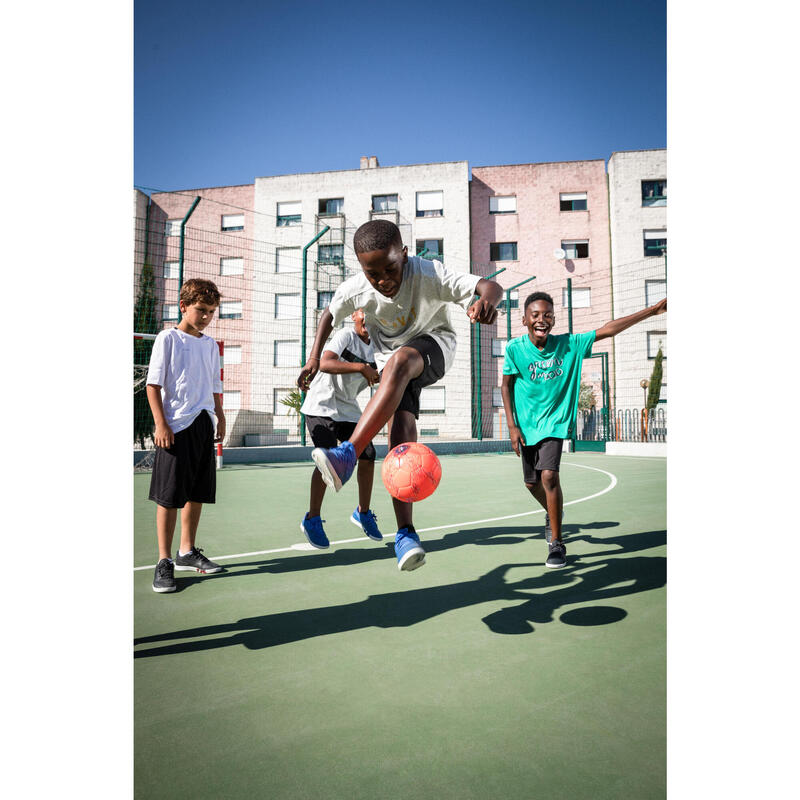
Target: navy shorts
[540,456]
[326,432]
[433,371]
[187,471]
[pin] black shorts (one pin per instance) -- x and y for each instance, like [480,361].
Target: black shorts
[187,471]
[327,432]
[433,371]
[540,456]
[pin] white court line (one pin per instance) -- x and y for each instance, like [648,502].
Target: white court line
[306,546]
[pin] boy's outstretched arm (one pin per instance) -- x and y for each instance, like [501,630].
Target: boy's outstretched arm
[514,433]
[311,367]
[484,309]
[623,323]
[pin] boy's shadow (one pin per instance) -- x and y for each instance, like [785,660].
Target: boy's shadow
[541,596]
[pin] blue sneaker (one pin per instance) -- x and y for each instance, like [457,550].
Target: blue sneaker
[408,550]
[336,464]
[314,532]
[367,521]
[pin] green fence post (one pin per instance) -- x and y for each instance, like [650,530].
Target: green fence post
[180,260]
[303,292]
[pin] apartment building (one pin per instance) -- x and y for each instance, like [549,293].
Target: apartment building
[637,188]
[545,224]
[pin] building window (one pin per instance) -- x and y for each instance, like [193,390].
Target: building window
[503,251]
[287,259]
[654,292]
[431,400]
[497,397]
[384,202]
[287,306]
[576,248]
[330,254]
[286,353]
[662,395]
[431,247]
[230,309]
[232,354]
[231,400]
[654,193]
[655,243]
[170,312]
[581,298]
[324,300]
[572,202]
[656,339]
[233,222]
[172,269]
[513,296]
[278,408]
[499,347]
[334,205]
[430,204]
[231,266]
[503,204]
[172,227]
[289,214]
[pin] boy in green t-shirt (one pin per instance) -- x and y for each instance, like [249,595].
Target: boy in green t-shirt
[541,382]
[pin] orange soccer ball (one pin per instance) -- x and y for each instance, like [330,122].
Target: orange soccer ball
[411,472]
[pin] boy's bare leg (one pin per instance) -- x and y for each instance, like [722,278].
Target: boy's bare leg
[405,365]
[366,475]
[554,500]
[403,428]
[165,529]
[317,494]
[190,517]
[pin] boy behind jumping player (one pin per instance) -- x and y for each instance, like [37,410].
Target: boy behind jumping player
[541,383]
[331,411]
[405,301]
[185,393]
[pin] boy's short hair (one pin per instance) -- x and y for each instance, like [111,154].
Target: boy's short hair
[532,298]
[377,234]
[199,290]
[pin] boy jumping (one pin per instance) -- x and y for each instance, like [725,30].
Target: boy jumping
[405,301]
[331,411]
[185,394]
[541,382]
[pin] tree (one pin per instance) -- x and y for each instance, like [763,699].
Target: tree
[144,321]
[586,397]
[293,401]
[654,390]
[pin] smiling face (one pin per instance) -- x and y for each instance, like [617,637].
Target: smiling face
[196,316]
[539,320]
[384,268]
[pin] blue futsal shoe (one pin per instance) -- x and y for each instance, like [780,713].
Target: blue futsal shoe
[336,464]
[367,521]
[408,550]
[314,532]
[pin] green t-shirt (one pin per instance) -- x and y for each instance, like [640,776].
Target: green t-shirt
[548,383]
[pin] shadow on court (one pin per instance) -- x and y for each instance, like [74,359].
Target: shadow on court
[534,600]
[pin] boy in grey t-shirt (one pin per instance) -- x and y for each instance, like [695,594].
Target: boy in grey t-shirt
[405,300]
[331,412]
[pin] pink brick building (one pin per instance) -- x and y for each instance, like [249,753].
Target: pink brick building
[521,215]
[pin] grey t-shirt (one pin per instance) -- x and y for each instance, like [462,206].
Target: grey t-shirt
[420,307]
[335,396]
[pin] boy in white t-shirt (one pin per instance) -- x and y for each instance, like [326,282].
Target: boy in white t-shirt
[405,300]
[184,390]
[331,412]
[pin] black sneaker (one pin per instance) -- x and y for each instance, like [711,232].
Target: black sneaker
[558,555]
[164,579]
[195,561]
[548,531]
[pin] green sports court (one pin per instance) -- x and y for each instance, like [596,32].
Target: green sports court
[299,673]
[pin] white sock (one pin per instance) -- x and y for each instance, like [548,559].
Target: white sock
[183,554]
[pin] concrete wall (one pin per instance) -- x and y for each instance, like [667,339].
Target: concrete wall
[631,268]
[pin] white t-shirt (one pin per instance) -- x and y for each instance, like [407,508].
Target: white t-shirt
[186,368]
[332,395]
[420,307]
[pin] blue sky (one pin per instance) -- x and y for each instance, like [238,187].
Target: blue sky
[224,93]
